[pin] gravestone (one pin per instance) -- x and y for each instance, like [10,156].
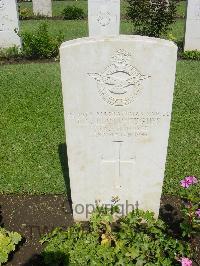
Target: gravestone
[192,30]
[9,24]
[42,8]
[104,17]
[117,94]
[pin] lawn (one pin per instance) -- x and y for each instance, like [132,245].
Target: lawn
[181,8]
[32,129]
[71,29]
[77,29]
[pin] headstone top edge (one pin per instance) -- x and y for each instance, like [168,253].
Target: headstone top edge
[133,38]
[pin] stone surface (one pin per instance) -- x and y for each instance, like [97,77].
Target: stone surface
[104,17]
[117,94]
[9,24]
[42,8]
[192,31]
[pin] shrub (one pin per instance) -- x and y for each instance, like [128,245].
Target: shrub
[191,55]
[136,239]
[151,17]
[73,12]
[40,44]
[8,242]
[24,13]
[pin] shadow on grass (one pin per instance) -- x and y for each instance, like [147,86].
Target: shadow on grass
[62,150]
[48,258]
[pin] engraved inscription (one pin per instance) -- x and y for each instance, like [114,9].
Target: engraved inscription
[104,18]
[121,82]
[118,124]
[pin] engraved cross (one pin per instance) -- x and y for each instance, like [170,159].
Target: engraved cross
[118,161]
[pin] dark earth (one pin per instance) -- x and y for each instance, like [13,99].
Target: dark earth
[33,216]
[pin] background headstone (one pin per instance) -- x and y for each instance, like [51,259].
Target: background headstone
[42,8]
[117,116]
[9,24]
[104,17]
[192,32]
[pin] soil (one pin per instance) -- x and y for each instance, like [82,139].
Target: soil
[33,216]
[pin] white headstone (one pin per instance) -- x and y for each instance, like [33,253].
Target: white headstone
[42,8]
[192,33]
[104,17]
[9,24]
[117,94]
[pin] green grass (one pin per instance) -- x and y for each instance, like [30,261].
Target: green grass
[181,8]
[71,29]
[184,145]
[32,128]
[77,29]
[178,29]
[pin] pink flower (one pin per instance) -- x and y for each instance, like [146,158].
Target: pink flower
[185,183]
[185,262]
[188,181]
[198,213]
[191,179]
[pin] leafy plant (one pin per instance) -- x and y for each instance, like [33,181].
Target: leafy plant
[8,242]
[136,239]
[24,13]
[191,55]
[73,13]
[40,44]
[151,17]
